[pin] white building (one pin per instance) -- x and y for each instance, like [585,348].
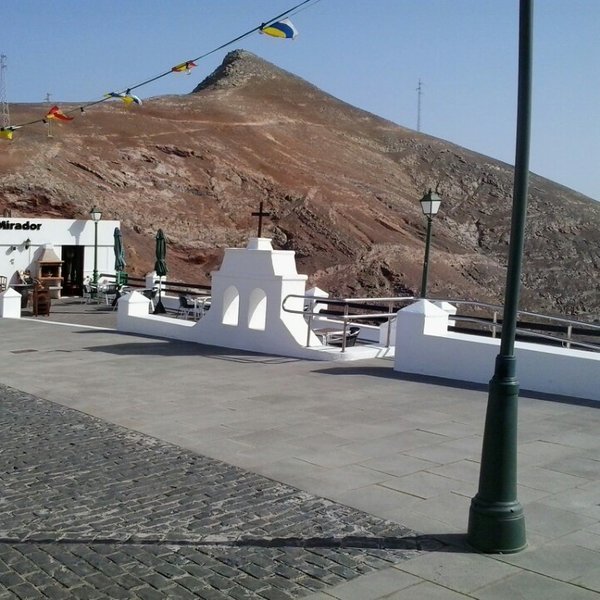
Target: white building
[67,243]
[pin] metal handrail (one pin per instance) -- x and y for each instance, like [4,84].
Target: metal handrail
[564,342]
[521,312]
[494,326]
[167,286]
[526,332]
[346,317]
[570,323]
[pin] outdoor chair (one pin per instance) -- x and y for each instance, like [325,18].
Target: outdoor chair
[185,307]
[121,291]
[201,305]
[108,292]
[87,297]
[337,339]
[150,294]
[207,303]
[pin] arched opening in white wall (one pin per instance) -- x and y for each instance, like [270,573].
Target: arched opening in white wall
[257,310]
[231,306]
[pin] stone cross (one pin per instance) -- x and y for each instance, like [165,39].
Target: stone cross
[260,214]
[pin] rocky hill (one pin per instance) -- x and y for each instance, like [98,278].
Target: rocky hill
[342,186]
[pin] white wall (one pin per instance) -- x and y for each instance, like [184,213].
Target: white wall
[257,267]
[10,304]
[262,278]
[426,347]
[58,232]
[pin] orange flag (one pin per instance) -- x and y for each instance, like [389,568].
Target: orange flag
[58,115]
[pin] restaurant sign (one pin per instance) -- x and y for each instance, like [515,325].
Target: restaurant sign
[27,226]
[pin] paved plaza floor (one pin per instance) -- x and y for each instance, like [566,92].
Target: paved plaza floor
[141,468]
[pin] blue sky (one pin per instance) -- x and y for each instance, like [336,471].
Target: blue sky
[370,53]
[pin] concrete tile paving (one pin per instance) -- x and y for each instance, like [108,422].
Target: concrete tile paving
[531,586]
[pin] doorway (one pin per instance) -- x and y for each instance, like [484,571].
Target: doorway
[72,270]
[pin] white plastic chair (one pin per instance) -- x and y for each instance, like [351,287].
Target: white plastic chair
[86,297]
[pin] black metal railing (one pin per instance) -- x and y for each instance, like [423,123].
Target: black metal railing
[175,287]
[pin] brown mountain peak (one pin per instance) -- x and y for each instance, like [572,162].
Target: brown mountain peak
[238,68]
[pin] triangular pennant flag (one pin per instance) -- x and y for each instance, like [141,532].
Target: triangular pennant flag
[280,29]
[57,114]
[186,66]
[130,99]
[126,97]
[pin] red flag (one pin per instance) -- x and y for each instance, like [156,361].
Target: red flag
[56,113]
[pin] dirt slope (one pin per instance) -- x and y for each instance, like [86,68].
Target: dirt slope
[342,185]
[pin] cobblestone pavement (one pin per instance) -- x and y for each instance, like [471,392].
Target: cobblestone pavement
[92,510]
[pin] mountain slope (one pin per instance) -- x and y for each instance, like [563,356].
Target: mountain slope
[342,185]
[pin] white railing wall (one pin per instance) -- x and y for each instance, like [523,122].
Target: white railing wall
[425,346]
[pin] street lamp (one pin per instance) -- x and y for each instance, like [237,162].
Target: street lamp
[496,520]
[430,204]
[96,215]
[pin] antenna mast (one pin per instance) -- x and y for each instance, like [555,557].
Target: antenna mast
[48,122]
[4,114]
[419,94]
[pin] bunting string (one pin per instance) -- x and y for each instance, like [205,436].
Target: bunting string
[275,27]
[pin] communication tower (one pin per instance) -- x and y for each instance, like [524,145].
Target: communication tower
[419,94]
[4,113]
[48,122]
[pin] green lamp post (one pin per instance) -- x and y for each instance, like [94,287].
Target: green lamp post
[496,520]
[96,215]
[430,204]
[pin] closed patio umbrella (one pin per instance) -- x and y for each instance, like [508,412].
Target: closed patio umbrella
[120,263]
[160,266]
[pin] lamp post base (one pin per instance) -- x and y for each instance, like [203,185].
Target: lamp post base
[496,520]
[496,527]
